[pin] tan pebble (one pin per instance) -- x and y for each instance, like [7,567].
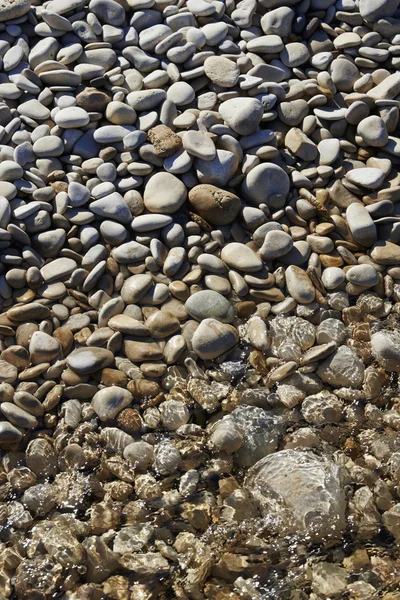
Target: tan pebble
[245,309]
[162,324]
[129,420]
[113,377]
[329,260]
[142,349]
[165,141]
[142,388]
[180,290]
[271,295]
[65,338]
[155,369]
[17,356]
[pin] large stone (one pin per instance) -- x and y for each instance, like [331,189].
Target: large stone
[265,181]
[343,368]
[12,9]
[212,338]
[213,204]
[385,346]
[208,304]
[89,360]
[108,402]
[300,493]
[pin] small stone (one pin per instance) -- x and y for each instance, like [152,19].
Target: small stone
[164,193]
[368,177]
[241,257]
[208,304]
[343,368]
[212,338]
[299,285]
[89,360]
[108,402]
[221,71]
[242,114]
[165,141]
[216,206]
[11,9]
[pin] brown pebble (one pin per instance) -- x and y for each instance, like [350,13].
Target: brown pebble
[165,141]
[130,420]
[245,309]
[110,377]
[93,100]
[66,339]
[142,388]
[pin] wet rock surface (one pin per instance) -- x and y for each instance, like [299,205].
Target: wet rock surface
[199,300]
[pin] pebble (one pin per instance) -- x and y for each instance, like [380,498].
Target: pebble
[213,338]
[164,193]
[242,114]
[209,304]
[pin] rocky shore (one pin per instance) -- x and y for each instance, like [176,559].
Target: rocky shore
[199,300]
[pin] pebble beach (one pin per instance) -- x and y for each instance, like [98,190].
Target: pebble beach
[199,300]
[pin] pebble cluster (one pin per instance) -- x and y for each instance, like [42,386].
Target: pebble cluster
[200,299]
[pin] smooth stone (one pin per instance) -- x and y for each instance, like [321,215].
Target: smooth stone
[276,244]
[72,117]
[108,402]
[8,372]
[385,347]
[243,115]
[369,177]
[29,312]
[34,109]
[18,416]
[241,257]
[372,10]
[9,434]
[328,151]
[144,223]
[142,349]
[373,131]
[361,225]
[89,360]
[300,492]
[212,338]
[219,170]
[215,205]
[278,21]
[140,455]
[299,285]
[364,275]
[59,269]
[128,325]
[222,71]
[112,206]
[294,54]
[386,253]
[343,368]
[130,252]
[164,193]
[43,347]
[135,287]
[209,304]
[265,181]
[198,144]
[13,9]
[332,277]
